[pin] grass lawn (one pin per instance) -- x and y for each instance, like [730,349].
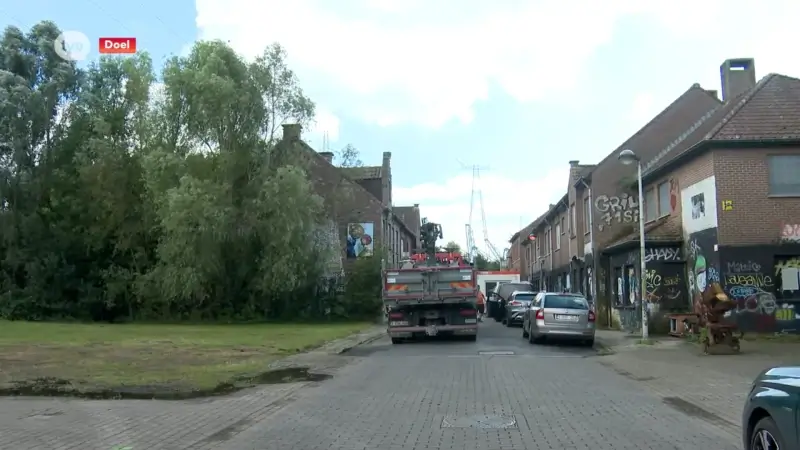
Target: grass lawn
[178,356]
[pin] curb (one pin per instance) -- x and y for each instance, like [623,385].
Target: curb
[371,337]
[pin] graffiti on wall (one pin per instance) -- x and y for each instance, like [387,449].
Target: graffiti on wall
[749,287]
[665,286]
[762,286]
[662,254]
[703,274]
[674,194]
[616,209]
[790,232]
[699,206]
[360,240]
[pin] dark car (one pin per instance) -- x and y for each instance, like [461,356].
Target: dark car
[516,306]
[770,419]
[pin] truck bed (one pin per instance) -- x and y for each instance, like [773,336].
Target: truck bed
[430,285]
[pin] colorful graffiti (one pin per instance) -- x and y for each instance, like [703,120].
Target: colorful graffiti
[616,209]
[703,274]
[790,232]
[360,241]
[762,287]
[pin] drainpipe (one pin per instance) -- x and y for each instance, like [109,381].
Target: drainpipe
[595,280]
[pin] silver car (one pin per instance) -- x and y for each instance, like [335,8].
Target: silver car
[554,315]
[517,304]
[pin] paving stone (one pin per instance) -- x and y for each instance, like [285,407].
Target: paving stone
[392,397]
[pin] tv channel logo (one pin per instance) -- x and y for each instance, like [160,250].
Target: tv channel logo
[117,45]
[72,46]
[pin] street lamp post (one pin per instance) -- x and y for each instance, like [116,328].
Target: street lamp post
[628,157]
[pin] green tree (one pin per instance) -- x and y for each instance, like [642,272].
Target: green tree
[348,156]
[117,204]
[452,246]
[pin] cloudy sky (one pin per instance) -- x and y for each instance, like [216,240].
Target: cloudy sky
[516,87]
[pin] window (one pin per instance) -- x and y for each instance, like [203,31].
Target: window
[565,302]
[650,205]
[664,208]
[561,222]
[548,243]
[572,222]
[783,179]
[558,235]
[587,216]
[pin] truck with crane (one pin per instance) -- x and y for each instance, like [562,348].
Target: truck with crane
[432,294]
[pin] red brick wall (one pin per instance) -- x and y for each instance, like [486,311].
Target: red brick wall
[756,218]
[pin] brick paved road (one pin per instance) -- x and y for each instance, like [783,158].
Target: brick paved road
[393,398]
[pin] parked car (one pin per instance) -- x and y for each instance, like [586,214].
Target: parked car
[770,419]
[503,292]
[516,306]
[559,316]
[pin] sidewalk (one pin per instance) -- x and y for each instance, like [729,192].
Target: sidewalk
[710,387]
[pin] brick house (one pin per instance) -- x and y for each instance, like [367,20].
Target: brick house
[722,204]
[356,198]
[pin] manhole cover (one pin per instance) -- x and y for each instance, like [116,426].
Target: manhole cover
[480,421]
[499,353]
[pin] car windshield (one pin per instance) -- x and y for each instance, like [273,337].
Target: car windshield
[524,297]
[565,302]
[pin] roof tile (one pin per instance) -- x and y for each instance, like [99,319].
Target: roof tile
[363,173]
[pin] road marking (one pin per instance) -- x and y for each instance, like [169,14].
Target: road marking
[498,353]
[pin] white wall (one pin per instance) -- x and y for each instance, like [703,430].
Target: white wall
[699,206]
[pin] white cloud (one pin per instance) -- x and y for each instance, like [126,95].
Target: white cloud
[393,61]
[428,66]
[509,204]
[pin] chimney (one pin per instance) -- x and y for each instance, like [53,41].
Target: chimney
[386,178]
[713,92]
[574,163]
[291,131]
[738,76]
[328,156]
[416,205]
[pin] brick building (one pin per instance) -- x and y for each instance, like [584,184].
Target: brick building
[358,198]
[722,205]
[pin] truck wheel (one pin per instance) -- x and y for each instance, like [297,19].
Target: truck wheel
[397,341]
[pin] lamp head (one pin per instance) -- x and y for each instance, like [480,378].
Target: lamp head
[627,157]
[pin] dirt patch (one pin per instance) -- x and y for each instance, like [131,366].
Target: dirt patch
[690,409]
[54,387]
[153,361]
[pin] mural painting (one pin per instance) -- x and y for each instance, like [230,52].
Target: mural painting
[702,266]
[790,232]
[616,209]
[699,206]
[360,240]
[764,287]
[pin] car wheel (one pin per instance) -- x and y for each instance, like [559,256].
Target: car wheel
[766,436]
[397,341]
[524,331]
[503,321]
[472,338]
[589,342]
[508,323]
